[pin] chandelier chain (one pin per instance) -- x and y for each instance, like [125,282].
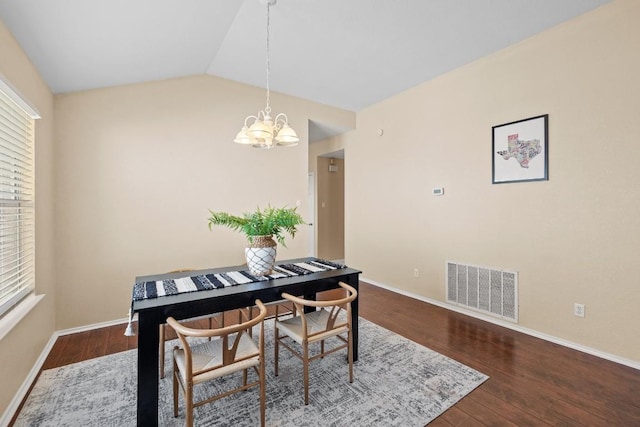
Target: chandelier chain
[268,108]
[266,131]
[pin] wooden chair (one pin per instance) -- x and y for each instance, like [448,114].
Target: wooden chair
[218,318]
[231,350]
[316,326]
[163,332]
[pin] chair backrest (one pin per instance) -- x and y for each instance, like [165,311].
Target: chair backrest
[334,308]
[230,336]
[181,270]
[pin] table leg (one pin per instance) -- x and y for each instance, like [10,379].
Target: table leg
[309,297]
[148,341]
[353,281]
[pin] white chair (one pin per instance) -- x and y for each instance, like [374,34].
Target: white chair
[316,326]
[230,350]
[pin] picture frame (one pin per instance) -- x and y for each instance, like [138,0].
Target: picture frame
[520,150]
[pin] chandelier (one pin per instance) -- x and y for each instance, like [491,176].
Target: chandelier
[265,131]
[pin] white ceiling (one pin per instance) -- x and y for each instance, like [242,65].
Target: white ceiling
[344,53]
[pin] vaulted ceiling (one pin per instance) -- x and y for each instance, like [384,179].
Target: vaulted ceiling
[344,53]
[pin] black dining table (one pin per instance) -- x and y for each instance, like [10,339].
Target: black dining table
[153,312]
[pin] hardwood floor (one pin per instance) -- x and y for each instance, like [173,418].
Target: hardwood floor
[532,382]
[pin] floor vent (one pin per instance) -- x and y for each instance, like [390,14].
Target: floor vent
[494,292]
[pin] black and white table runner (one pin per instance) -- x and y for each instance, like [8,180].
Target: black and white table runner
[160,288]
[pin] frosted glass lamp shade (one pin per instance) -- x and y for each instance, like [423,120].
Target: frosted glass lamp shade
[287,136]
[260,129]
[242,137]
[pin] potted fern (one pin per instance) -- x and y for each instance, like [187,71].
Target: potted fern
[261,227]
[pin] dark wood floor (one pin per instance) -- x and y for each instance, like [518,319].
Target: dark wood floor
[532,382]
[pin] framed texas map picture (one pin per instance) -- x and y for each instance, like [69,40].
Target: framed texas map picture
[520,150]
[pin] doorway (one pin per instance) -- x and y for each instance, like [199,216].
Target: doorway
[311,191]
[329,205]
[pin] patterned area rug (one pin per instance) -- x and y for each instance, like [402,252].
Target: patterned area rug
[396,383]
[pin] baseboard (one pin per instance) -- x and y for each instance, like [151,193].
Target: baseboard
[93,326]
[510,325]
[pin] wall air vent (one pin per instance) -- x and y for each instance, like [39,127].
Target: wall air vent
[490,291]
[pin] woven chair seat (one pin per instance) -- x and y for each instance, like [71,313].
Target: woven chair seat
[207,359]
[316,327]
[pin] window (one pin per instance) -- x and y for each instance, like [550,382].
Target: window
[17,270]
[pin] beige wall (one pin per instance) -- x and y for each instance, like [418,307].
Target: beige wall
[574,238]
[329,145]
[138,169]
[31,335]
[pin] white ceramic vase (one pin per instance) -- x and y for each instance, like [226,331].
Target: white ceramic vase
[261,256]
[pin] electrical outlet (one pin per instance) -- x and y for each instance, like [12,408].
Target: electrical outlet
[416,272]
[578,309]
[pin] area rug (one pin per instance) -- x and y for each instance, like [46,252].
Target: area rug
[396,383]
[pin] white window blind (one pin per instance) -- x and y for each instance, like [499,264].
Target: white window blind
[17,272]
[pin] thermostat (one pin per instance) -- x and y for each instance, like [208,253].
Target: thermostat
[438,191]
